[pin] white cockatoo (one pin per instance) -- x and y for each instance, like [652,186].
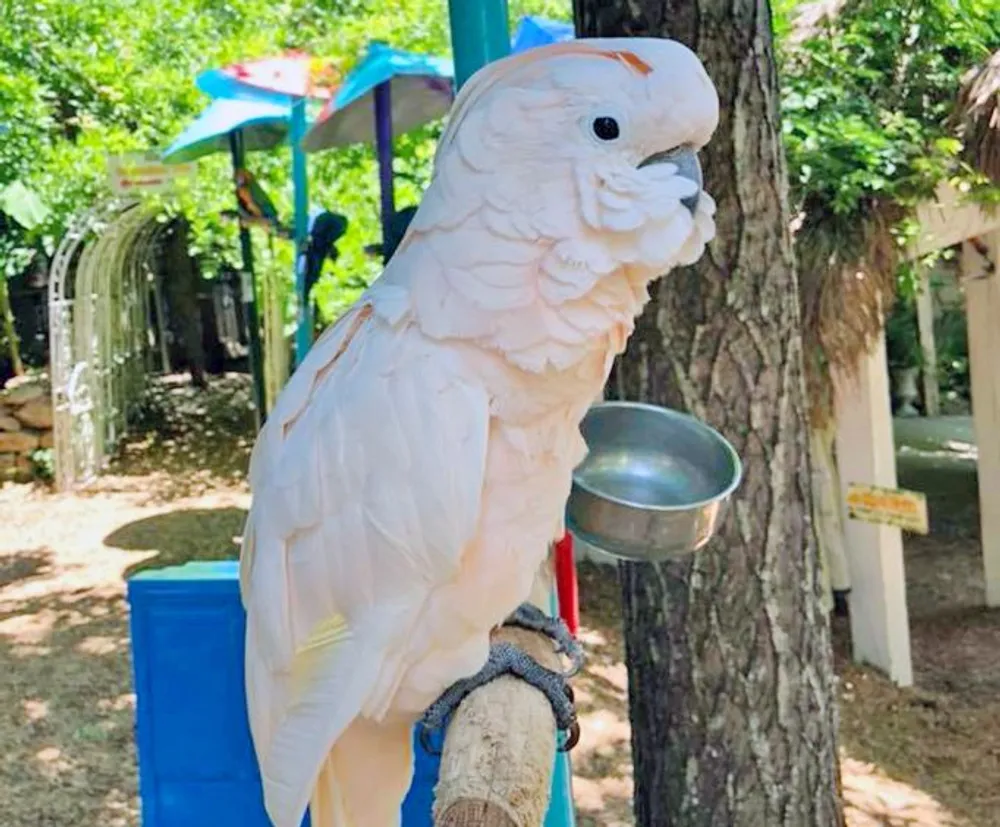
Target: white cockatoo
[415,469]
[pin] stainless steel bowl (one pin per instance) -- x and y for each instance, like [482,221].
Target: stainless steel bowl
[654,484]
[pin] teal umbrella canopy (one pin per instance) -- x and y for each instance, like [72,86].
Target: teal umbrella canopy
[264,125]
[422,91]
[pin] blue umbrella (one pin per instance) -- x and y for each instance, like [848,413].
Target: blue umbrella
[264,125]
[539,31]
[388,93]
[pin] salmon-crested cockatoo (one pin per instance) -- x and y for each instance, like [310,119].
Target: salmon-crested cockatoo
[415,469]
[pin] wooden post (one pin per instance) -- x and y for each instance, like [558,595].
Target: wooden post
[828,513]
[925,326]
[880,630]
[982,301]
[496,767]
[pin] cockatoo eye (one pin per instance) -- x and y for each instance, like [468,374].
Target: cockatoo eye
[605,128]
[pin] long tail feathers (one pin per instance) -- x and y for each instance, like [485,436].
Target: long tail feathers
[331,677]
[364,779]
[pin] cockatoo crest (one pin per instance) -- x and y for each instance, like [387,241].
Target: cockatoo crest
[566,180]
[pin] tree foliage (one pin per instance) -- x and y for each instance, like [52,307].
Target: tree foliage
[865,101]
[79,80]
[868,97]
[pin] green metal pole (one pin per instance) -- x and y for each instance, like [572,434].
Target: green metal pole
[299,125]
[248,287]
[480,32]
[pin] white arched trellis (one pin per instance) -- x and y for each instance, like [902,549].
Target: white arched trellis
[100,337]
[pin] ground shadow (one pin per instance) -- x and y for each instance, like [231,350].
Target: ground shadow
[66,711]
[602,760]
[178,537]
[184,441]
[23,565]
[938,737]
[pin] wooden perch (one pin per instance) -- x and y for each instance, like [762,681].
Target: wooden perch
[496,766]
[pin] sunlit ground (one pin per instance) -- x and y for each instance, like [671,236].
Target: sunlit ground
[922,758]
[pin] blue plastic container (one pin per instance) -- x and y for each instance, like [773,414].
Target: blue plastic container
[197,766]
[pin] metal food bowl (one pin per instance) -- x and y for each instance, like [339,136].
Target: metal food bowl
[654,484]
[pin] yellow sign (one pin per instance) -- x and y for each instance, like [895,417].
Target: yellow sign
[889,506]
[142,172]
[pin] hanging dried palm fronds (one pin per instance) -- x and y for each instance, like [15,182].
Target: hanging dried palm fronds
[978,117]
[847,279]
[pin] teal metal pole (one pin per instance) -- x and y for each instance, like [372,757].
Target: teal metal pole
[560,812]
[300,182]
[480,32]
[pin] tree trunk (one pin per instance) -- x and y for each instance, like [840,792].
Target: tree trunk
[9,329]
[181,285]
[730,668]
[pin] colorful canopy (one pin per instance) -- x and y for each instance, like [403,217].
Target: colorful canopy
[264,125]
[539,31]
[421,92]
[292,75]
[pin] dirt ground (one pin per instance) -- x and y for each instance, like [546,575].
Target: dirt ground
[928,757]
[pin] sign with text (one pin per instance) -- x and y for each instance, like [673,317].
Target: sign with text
[137,173]
[888,506]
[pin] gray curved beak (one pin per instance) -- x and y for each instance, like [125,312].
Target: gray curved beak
[686,161]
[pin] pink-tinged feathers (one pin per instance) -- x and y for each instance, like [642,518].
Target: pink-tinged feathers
[414,470]
[529,215]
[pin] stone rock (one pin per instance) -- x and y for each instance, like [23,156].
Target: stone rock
[9,423]
[23,470]
[22,394]
[36,414]
[7,461]
[17,381]
[47,440]
[18,442]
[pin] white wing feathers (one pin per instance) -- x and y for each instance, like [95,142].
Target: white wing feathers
[367,481]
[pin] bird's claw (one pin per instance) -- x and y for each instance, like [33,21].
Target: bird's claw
[505,658]
[528,616]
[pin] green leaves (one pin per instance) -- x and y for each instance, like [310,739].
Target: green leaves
[868,95]
[23,205]
[79,80]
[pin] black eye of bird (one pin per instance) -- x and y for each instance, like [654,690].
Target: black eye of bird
[606,128]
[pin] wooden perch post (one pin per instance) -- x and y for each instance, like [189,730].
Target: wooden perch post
[496,766]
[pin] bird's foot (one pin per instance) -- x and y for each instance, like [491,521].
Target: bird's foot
[507,659]
[529,616]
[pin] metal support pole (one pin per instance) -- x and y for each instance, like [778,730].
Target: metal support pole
[248,292]
[303,333]
[480,32]
[383,150]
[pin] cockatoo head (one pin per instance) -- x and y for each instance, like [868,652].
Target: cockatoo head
[595,142]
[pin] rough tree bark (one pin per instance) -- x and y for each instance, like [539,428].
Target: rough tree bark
[181,285]
[730,669]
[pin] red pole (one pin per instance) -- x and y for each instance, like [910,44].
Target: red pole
[566,585]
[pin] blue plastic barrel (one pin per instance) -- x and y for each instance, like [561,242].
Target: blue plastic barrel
[197,766]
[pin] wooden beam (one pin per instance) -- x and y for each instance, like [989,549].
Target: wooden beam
[496,766]
[925,327]
[880,630]
[948,220]
[982,301]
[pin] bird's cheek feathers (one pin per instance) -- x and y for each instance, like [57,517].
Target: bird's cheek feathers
[638,218]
